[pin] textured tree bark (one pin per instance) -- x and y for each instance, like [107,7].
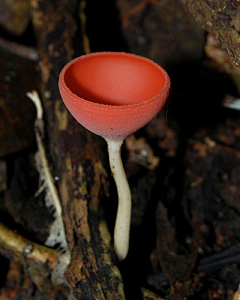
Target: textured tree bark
[76,159]
[221,19]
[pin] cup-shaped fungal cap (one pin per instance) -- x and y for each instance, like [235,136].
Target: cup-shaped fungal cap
[113,94]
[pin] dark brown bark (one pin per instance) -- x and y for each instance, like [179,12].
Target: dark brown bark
[77,160]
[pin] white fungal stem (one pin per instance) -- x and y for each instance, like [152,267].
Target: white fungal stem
[123,219]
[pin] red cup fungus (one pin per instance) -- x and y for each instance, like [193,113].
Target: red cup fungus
[114,94]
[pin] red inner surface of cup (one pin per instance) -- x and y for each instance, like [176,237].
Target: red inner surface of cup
[113,94]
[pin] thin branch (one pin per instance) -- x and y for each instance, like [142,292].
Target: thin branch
[17,245]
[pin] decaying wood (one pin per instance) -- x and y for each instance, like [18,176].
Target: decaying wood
[221,19]
[77,160]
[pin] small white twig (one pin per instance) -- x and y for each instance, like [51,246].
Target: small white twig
[33,95]
[57,230]
[48,180]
